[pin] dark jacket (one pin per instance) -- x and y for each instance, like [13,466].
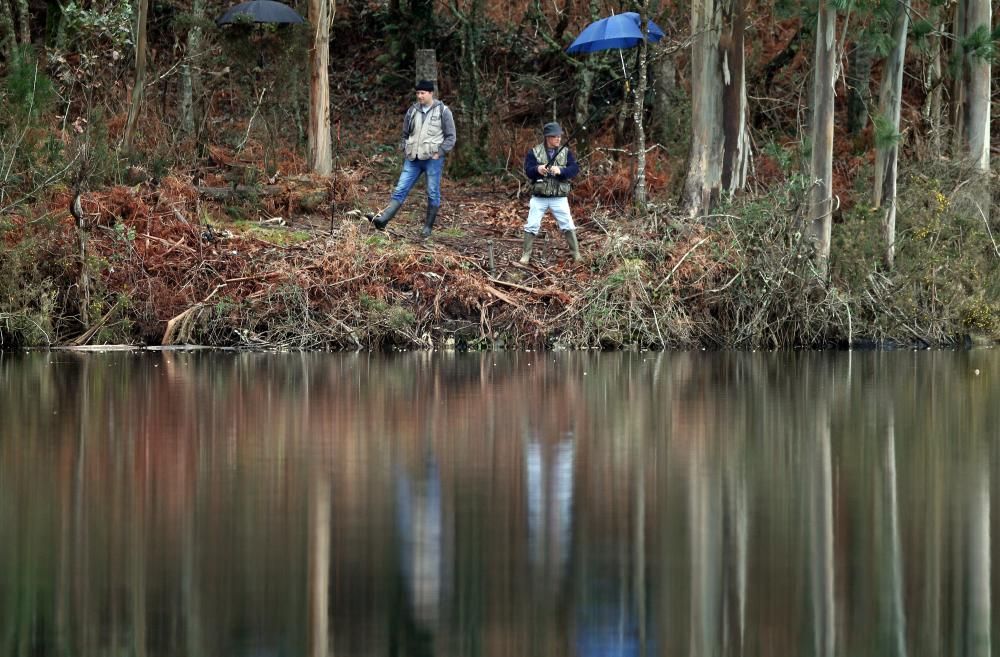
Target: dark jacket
[569,171]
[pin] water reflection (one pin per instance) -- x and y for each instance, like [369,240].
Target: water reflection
[524,504]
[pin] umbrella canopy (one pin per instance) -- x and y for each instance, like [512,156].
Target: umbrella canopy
[260,11]
[618,31]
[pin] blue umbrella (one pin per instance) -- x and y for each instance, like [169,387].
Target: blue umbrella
[260,11]
[618,31]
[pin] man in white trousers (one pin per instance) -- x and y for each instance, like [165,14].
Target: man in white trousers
[550,167]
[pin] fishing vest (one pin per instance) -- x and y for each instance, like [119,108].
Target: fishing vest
[426,132]
[550,186]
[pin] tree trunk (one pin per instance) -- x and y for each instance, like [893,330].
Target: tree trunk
[188,81]
[858,81]
[585,85]
[975,99]
[933,83]
[704,178]
[473,127]
[8,38]
[821,194]
[23,22]
[887,146]
[321,13]
[639,195]
[664,108]
[427,68]
[736,154]
[140,72]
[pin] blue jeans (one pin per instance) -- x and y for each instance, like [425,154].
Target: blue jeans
[412,170]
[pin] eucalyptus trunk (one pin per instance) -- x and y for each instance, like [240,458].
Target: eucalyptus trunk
[933,84]
[321,13]
[138,88]
[887,143]
[188,75]
[858,81]
[736,153]
[720,142]
[704,177]
[974,108]
[821,169]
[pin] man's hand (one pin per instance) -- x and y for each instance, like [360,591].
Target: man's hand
[436,155]
[555,170]
[543,170]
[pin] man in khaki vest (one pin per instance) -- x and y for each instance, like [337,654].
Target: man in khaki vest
[550,166]
[428,135]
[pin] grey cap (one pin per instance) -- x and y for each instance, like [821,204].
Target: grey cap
[552,130]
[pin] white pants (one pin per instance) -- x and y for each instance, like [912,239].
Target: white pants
[559,205]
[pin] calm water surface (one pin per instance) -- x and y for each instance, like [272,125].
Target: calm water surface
[216,504]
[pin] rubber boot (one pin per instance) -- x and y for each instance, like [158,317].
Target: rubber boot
[383,218]
[529,242]
[574,246]
[432,211]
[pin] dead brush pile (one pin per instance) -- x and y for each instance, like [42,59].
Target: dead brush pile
[163,274]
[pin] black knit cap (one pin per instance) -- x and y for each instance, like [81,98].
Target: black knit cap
[425,85]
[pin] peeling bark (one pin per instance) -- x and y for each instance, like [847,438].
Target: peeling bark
[736,153]
[321,13]
[720,144]
[704,178]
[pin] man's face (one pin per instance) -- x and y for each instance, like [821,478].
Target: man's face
[425,98]
[553,141]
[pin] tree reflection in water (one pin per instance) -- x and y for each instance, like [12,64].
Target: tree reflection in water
[558,505]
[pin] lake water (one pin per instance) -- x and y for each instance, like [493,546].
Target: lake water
[510,505]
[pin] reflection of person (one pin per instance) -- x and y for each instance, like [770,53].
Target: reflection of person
[549,481]
[550,167]
[420,523]
[428,135]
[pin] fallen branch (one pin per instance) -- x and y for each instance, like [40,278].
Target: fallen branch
[500,295]
[85,337]
[180,326]
[544,292]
